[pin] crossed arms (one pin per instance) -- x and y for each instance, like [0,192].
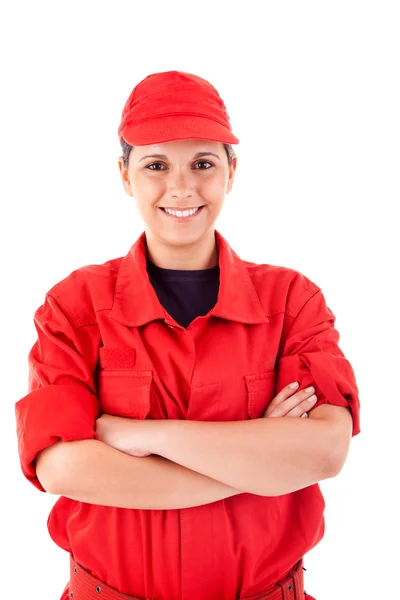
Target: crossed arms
[195,463]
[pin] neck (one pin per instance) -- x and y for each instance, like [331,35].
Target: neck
[202,254]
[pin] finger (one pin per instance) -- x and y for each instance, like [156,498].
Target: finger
[287,400]
[303,407]
[285,393]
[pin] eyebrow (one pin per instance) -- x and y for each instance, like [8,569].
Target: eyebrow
[163,156]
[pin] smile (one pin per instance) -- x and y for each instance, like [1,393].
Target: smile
[184,215]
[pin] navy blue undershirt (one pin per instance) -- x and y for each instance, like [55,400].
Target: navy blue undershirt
[185,295]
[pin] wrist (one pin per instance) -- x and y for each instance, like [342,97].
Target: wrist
[157,435]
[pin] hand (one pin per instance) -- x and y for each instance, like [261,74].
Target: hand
[127,435]
[291,403]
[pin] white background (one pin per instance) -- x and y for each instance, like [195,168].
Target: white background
[312,90]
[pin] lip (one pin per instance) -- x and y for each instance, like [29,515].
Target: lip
[182,219]
[181,208]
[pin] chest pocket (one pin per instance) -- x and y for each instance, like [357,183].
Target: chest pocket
[260,391]
[122,390]
[125,393]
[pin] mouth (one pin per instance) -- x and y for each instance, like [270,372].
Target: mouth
[183,215]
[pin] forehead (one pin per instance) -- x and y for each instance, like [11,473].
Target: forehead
[189,147]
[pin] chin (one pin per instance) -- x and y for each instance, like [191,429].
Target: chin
[183,238]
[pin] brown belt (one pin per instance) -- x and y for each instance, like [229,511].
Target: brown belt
[84,586]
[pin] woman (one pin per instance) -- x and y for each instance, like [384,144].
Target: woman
[155,378]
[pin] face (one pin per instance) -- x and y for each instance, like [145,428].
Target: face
[190,174]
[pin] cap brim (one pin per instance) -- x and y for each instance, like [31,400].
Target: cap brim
[170,128]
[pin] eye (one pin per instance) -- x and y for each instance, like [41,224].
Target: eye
[200,162]
[204,162]
[152,165]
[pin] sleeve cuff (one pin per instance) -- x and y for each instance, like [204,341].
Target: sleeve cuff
[331,375]
[49,414]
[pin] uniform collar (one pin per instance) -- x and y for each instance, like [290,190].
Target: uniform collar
[136,302]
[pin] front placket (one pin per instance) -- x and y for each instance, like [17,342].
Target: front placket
[197,543]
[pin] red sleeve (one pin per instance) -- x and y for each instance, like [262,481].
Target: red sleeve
[61,403]
[311,356]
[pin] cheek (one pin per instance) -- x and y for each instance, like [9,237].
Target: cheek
[145,187]
[146,210]
[214,187]
[147,194]
[217,185]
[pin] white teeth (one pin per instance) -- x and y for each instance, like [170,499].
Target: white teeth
[180,213]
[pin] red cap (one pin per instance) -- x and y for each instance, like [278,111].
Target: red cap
[171,106]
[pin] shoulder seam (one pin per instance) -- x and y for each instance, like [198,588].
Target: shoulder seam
[293,314]
[75,322]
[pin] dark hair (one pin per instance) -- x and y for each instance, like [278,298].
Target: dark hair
[126,149]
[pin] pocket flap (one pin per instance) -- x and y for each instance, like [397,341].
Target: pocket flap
[260,392]
[125,393]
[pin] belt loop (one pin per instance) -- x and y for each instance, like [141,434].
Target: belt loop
[285,591]
[296,585]
[298,595]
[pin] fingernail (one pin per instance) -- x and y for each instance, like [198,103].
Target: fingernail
[310,389]
[295,384]
[312,398]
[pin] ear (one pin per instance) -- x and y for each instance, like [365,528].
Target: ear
[124,172]
[232,169]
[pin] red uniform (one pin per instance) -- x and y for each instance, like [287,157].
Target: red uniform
[106,344]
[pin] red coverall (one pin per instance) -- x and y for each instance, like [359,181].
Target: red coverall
[106,344]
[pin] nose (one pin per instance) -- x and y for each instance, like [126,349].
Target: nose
[181,185]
